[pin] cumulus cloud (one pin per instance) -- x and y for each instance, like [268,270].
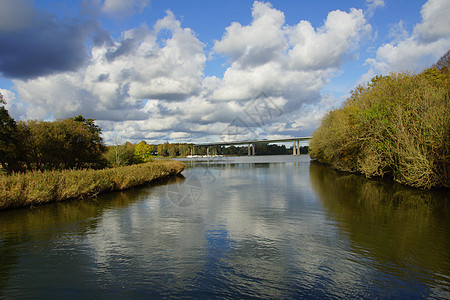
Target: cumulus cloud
[258,43]
[120,76]
[149,84]
[327,46]
[291,62]
[435,21]
[414,51]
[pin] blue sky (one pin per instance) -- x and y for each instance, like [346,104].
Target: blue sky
[189,71]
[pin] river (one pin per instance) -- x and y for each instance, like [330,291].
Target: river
[265,226]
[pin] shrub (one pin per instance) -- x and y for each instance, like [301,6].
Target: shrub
[397,125]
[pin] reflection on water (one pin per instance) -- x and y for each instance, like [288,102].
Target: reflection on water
[404,231]
[286,228]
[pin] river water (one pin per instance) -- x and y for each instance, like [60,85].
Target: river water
[265,227]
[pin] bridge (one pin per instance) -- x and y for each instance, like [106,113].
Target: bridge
[251,144]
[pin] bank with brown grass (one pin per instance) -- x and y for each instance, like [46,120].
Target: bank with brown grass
[36,188]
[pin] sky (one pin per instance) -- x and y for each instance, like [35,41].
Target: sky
[207,70]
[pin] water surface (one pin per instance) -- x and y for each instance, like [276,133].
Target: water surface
[266,227]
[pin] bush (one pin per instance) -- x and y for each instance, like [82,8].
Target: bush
[397,125]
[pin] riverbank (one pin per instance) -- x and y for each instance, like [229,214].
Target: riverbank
[36,188]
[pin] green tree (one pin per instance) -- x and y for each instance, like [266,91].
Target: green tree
[65,144]
[184,150]
[143,152]
[172,150]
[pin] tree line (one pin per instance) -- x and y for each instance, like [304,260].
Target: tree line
[128,153]
[73,143]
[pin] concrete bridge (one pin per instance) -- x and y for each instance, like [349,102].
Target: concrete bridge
[251,144]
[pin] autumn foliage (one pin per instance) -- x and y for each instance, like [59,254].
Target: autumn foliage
[397,125]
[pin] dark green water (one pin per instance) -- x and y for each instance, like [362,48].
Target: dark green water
[266,227]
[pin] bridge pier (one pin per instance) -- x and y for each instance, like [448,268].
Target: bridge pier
[251,149]
[296,148]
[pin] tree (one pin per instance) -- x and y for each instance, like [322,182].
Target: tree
[143,152]
[120,155]
[172,150]
[96,147]
[163,149]
[7,139]
[184,149]
[64,144]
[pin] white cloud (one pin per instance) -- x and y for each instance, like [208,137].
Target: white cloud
[327,46]
[424,46]
[149,86]
[397,32]
[292,62]
[258,43]
[121,76]
[436,20]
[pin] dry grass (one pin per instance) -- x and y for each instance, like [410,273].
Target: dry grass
[35,188]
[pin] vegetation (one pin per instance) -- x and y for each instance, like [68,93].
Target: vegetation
[38,187]
[397,125]
[56,161]
[73,143]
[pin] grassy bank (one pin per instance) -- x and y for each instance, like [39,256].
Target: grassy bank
[35,188]
[397,125]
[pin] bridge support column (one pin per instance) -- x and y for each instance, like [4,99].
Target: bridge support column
[251,149]
[294,148]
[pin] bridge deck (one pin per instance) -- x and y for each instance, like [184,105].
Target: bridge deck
[254,142]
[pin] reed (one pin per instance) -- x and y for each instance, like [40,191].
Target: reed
[37,187]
